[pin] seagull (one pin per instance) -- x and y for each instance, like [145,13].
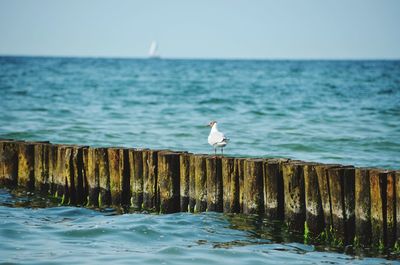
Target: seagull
[216,138]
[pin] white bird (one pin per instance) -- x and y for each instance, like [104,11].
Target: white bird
[216,138]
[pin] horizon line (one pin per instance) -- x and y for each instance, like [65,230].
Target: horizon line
[206,58]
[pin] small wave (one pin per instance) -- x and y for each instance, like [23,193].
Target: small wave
[214,101]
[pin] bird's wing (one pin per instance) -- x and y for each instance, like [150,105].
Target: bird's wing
[216,137]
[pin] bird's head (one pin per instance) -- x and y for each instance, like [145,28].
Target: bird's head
[211,124]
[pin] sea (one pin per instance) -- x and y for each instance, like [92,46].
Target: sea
[329,111]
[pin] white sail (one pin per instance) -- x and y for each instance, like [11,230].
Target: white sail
[153,50]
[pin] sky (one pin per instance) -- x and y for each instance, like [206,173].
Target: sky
[232,29]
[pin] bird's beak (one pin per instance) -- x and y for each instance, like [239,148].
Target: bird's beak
[208,125]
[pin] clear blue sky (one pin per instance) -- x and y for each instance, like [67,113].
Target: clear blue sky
[307,29]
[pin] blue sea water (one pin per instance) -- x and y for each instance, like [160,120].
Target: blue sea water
[68,235]
[326,111]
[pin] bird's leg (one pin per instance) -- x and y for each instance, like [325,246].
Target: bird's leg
[215,152]
[222,152]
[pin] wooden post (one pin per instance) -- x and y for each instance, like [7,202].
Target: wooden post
[118,159]
[41,166]
[323,183]
[136,158]
[200,183]
[149,182]
[8,163]
[116,164]
[239,174]
[126,180]
[91,172]
[184,161]
[378,186]
[192,183]
[349,202]
[230,186]
[214,184]
[273,182]
[79,180]
[362,206]
[294,195]
[63,177]
[104,177]
[168,182]
[26,172]
[53,168]
[71,177]
[390,208]
[58,180]
[253,193]
[341,185]
[314,212]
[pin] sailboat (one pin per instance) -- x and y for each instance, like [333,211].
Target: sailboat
[153,54]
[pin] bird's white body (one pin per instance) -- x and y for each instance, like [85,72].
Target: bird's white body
[217,138]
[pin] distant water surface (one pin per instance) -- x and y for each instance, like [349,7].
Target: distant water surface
[327,111]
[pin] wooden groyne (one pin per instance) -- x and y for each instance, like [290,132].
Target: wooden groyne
[344,204]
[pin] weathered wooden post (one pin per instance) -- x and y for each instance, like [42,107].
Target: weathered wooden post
[63,174]
[200,183]
[72,175]
[117,177]
[41,166]
[273,182]
[342,188]
[253,193]
[53,167]
[230,186]
[314,212]
[390,208]
[8,163]
[239,174]
[323,183]
[26,170]
[378,187]
[137,171]
[294,195]
[192,183]
[91,172]
[104,177]
[168,182]
[79,180]
[150,171]
[184,161]
[362,207]
[214,184]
